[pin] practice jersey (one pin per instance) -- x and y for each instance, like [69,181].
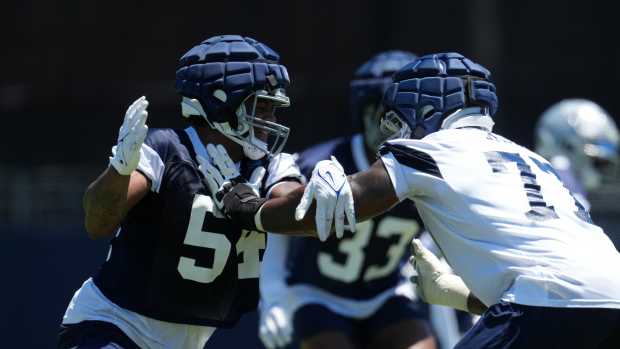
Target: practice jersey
[175,258]
[362,264]
[504,221]
[566,173]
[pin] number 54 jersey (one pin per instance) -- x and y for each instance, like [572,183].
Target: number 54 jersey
[504,221]
[175,258]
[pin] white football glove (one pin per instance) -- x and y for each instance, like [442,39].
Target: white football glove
[435,282]
[334,200]
[275,329]
[126,153]
[224,172]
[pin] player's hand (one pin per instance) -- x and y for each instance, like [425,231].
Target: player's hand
[436,284]
[126,154]
[334,200]
[224,175]
[218,170]
[275,329]
[237,198]
[428,267]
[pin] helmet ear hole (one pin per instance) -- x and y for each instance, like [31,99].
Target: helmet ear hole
[419,132]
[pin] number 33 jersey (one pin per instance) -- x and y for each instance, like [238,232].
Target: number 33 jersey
[175,258]
[361,265]
[504,221]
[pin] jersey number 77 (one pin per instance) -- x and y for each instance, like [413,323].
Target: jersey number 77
[539,210]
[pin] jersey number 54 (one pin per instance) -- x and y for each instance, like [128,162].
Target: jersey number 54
[249,245]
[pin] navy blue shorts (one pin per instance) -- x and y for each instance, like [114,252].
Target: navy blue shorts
[508,325]
[312,319]
[93,335]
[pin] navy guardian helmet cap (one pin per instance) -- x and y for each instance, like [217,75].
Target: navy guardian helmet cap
[222,78]
[373,77]
[427,90]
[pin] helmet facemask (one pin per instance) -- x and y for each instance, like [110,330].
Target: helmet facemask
[393,127]
[374,135]
[257,135]
[224,79]
[601,163]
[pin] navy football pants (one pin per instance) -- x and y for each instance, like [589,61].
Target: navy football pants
[312,319]
[508,325]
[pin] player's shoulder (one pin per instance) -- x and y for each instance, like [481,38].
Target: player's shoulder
[164,151]
[283,167]
[404,146]
[307,158]
[324,150]
[169,144]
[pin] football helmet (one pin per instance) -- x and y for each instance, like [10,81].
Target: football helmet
[369,83]
[223,79]
[433,87]
[582,132]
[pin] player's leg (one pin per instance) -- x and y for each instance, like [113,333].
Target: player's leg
[317,327]
[93,335]
[406,334]
[515,326]
[328,340]
[399,324]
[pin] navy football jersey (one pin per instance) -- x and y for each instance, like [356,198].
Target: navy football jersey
[362,264]
[175,257]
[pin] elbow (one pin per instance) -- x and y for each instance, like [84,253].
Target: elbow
[97,230]
[95,222]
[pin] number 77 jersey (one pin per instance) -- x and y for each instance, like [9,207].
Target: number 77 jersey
[504,220]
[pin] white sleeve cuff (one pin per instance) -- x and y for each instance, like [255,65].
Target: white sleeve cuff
[151,166]
[283,166]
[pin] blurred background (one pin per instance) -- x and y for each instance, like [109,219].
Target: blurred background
[69,70]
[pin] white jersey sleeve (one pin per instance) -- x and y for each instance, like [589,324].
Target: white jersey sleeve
[412,170]
[504,221]
[281,168]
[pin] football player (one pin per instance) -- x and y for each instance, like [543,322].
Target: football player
[580,140]
[520,241]
[352,292]
[176,268]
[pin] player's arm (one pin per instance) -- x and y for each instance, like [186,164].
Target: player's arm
[438,285]
[108,199]
[371,190]
[372,193]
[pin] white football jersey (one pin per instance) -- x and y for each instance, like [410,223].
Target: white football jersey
[504,221]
